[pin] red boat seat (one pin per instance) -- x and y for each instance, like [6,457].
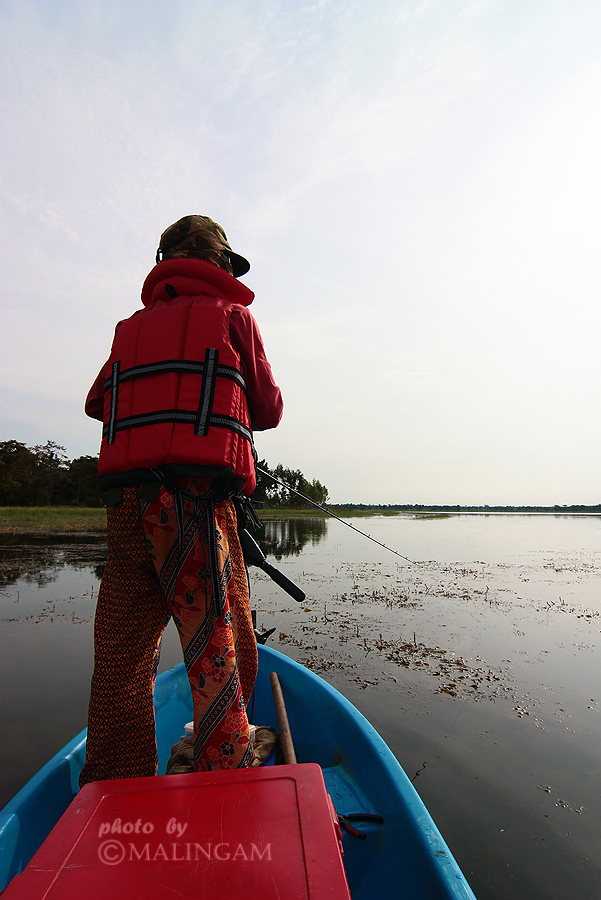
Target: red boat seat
[268,833]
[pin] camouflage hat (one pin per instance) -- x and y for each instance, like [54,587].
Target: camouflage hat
[196,236]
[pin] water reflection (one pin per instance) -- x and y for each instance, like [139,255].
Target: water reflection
[40,559]
[288,537]
[479,665]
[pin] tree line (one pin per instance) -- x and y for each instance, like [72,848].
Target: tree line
[282,488]
[457,508]
[44,476]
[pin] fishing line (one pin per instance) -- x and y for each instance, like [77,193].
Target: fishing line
[334,516]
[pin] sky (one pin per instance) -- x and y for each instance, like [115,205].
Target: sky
[416,184]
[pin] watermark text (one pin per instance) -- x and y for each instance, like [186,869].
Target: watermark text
[113,852]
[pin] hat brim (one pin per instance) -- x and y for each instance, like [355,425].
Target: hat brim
[240,265]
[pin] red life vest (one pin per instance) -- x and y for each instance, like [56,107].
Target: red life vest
[176,393]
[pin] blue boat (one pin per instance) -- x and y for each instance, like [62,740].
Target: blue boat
[398,852]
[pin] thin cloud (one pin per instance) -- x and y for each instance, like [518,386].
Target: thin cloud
[414,183]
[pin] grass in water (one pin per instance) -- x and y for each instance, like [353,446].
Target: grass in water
[52,519]
[64,519]
[76,519]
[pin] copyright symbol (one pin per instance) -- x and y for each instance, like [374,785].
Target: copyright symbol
[111,853]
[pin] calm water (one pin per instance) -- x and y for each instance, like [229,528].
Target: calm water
[479,665]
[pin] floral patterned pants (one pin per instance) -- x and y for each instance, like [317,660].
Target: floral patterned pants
[177,556]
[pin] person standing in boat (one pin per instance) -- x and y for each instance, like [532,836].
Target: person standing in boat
[186,384]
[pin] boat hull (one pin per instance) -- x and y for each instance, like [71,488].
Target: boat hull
[403,857]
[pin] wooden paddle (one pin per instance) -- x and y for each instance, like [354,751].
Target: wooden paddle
[282,717]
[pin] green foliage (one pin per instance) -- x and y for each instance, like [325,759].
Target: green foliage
[18,474]
[83,474]
[281,493]
[44,476]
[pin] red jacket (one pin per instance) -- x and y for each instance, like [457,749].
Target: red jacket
[187,380]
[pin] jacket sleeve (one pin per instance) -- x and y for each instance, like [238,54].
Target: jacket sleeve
[264,396]
[94,405]
[95,400]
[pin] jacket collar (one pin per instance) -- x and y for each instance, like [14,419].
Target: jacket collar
[193,277]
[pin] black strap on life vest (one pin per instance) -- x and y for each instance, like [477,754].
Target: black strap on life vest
[114,384]
[189,366]
[207,392]
[202,418]
[175,416]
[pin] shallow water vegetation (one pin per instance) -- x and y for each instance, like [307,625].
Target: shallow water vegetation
[479,666]
[439,663]
[52,519]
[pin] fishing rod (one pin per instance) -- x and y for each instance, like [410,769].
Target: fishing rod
[334,516]
[254,556]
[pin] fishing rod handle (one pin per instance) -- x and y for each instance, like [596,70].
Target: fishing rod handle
[284,582]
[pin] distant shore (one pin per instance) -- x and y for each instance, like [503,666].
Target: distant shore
[86,520]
